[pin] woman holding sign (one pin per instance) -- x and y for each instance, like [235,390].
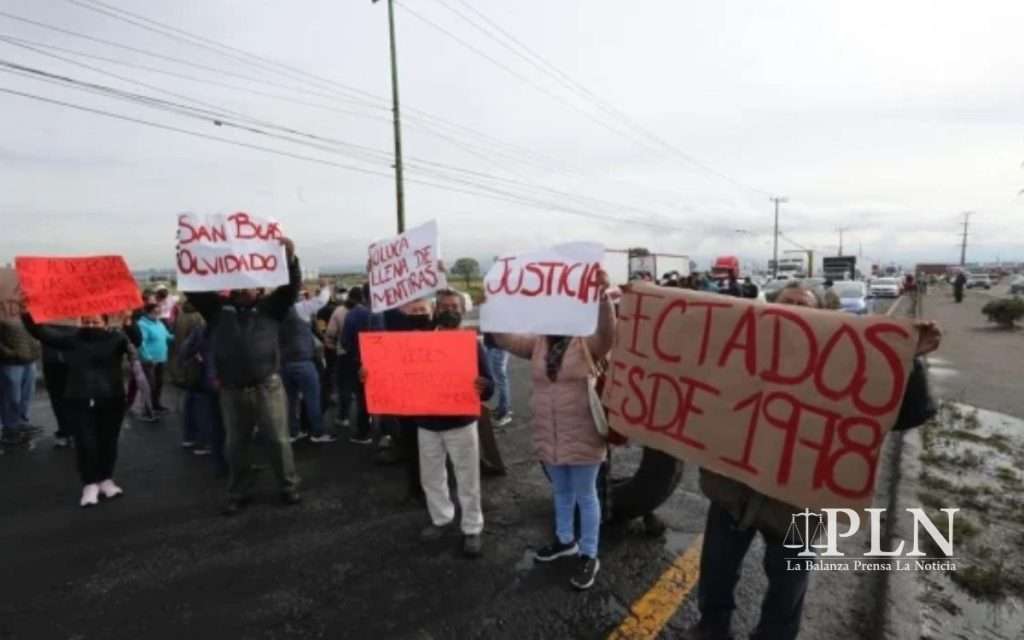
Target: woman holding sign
[564,433]
[95,396]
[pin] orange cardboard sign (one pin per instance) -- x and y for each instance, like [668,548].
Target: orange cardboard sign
[59,288]
[421,373]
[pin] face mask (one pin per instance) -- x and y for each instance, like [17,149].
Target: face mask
[415,323]
[449,319]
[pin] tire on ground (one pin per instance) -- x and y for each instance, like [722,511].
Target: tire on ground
[654,481]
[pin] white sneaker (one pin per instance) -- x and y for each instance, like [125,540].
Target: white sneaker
[90,495]
[323,439]
[109,489]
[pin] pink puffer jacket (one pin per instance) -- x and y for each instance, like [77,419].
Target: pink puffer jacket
[563,428]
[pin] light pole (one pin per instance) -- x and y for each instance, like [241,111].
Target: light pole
[399,191]
[775,238]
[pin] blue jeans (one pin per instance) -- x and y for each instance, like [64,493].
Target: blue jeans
[202,417]
[498,361]
[575,485]
[17,386]
[721,559]
[302,379]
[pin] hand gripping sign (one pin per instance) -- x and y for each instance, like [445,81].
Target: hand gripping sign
[63,288]
[405,267]
[551,292]
[790,401]
[236,251]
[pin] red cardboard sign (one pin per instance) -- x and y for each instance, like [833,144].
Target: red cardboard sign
[421,373]
[59,288]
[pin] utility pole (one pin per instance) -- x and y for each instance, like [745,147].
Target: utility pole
[841,230]
[399,190]
[963,244]
[775,238]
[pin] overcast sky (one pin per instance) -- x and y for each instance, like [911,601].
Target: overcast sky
[887,118]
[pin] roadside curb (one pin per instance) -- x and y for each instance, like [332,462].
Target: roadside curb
[895,594]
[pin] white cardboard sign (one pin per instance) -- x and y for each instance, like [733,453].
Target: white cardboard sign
[404,268]
[235,251]
[550,292]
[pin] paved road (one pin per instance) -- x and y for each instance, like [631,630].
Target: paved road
[979,364]
[162,563]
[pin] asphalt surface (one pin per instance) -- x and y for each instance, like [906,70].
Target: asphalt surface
[161,562]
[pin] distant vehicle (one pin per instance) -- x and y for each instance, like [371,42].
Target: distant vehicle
[885,288]
[724,267]
[979,281]
[840,267]
[1017,285]
[852,296]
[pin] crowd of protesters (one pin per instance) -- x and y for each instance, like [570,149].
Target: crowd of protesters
[268,365]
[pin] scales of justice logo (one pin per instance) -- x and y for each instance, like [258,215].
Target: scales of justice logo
[809,536]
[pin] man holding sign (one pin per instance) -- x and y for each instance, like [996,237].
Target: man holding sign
[784,408]
[453,365]
[245,331]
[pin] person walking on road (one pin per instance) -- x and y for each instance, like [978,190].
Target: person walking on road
[245,332]
[737,512]
[831,300]
[301,378]
[18,354]
[441,438]
[55,377]
[344,367]
[357,320]
[958,286]
[95,396]
[565,435]
[497,358]
[156,339]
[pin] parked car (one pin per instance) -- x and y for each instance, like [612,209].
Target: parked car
[885,288]
[1017,285]
[979,281]
[853,296]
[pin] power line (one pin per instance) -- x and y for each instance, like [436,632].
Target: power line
[538,61]
[511,71]
[181,61]
[429,124]
[471,188]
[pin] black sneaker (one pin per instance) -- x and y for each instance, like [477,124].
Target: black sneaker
[557,550]
[234,506]
[586,574]
[291,497]
[472,545]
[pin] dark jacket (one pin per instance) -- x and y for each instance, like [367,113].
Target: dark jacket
[195,357]
[445,423]
[245,338]
[94,358]
[356,321]
[17,346]
[750,508]
[296,339]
